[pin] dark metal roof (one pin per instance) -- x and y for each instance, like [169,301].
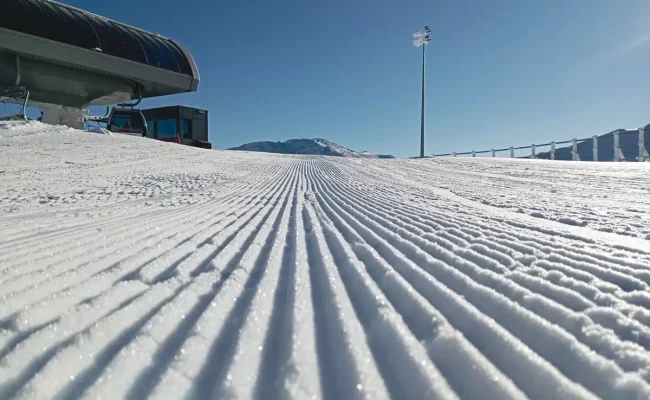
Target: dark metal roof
[69,25]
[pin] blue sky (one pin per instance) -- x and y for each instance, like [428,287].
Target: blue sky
[499,72]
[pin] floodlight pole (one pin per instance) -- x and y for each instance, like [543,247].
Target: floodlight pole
[421,39]
[422,111]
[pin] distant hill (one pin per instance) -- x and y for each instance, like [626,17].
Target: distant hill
[308,146]
[628,141]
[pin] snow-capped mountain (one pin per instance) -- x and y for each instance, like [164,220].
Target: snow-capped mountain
[308,146]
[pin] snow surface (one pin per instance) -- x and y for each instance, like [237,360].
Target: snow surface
[103,131]
[132,268]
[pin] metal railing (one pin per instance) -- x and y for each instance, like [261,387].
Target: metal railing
[575,156]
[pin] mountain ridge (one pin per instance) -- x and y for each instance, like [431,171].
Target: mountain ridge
[316,146]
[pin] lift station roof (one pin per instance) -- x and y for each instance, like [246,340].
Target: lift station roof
[67,56]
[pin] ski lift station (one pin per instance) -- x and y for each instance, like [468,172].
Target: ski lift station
[184,125]
[63,60]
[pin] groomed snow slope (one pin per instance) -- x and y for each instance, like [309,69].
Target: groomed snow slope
[131,268]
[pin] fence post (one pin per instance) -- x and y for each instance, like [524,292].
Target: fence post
[552,150]
[595,148]
[512,152]
[493,153]
[454,154]
[574,150]
[473,153]
[618,154]
[532,151]
[643,153]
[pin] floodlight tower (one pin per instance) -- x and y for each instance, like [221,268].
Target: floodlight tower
[421,39]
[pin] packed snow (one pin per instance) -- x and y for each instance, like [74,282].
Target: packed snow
[132,268]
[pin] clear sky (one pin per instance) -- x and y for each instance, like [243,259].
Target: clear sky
[499,72]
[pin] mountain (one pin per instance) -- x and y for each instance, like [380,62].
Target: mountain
[317,146]
[628,142]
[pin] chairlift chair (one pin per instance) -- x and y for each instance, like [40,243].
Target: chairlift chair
[125,119]
[18,95]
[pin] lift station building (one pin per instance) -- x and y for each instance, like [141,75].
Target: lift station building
[187,123]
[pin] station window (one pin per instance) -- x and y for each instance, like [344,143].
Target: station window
[187,128]
[167,128]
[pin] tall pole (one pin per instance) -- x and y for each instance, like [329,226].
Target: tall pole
[422,112]
[421,39]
